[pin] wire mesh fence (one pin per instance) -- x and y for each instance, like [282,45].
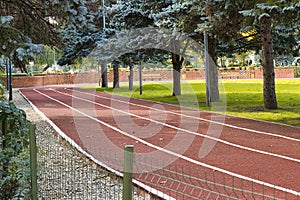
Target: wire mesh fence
[65,173]
[182,182]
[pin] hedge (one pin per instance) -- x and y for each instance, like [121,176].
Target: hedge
[14,152]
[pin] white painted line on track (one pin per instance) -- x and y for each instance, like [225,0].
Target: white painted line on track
[187,131]
[193,117]
[76,146]
[173,153]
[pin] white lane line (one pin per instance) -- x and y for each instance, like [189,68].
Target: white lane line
[193,117]
[188,131]
[92,158]
[173,153]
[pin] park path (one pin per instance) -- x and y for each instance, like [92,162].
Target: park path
[206,155]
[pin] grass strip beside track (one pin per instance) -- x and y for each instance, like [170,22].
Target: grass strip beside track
[244,98]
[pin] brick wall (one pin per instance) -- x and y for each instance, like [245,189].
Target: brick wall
[30,81]
[151,75]
[279,73]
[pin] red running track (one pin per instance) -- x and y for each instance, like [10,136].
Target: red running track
[190,154]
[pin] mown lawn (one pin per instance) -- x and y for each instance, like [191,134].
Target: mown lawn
[238,97]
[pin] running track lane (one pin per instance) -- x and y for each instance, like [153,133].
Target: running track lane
[264,153]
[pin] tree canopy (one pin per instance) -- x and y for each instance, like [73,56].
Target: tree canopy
[79,26]
[26,25]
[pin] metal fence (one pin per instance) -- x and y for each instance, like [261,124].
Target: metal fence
[64,173]
[182,182]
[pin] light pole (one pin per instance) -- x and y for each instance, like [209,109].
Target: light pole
[207,70]
[10,76]
[54,59]
[99,73]
[104,70]
[7,68]
[99,65]
[103,13]
[140,78]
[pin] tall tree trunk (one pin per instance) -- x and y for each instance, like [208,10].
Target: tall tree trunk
[130,77]
[20,64]
[99,73]
[116,83]
[270,101]
[104,75]
[177,61]
[212,66]
[213,70]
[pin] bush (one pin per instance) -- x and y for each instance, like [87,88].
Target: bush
[14,153]
[2,88]
[296,72]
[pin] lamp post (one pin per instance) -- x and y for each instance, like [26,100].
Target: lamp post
[7,68]
[140,78]
[103,13]
[99,65]
[10,76]
[104,70]
[99,74]
[54,59]
[207,70]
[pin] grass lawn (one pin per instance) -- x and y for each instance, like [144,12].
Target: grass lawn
[238,97]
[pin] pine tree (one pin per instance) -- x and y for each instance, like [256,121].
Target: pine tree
[270,26]
[26,25]
[278,23]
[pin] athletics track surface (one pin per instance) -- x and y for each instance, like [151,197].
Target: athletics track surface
[253,156]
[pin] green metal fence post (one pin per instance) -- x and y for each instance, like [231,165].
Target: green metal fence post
[128,167]
[33,162]
[4,129]
[3,168]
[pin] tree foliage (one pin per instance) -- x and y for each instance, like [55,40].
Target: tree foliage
[14,152]
[78,26]
[26,25]
[279,32]
[285,24]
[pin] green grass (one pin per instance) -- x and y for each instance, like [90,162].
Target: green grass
[238,97]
